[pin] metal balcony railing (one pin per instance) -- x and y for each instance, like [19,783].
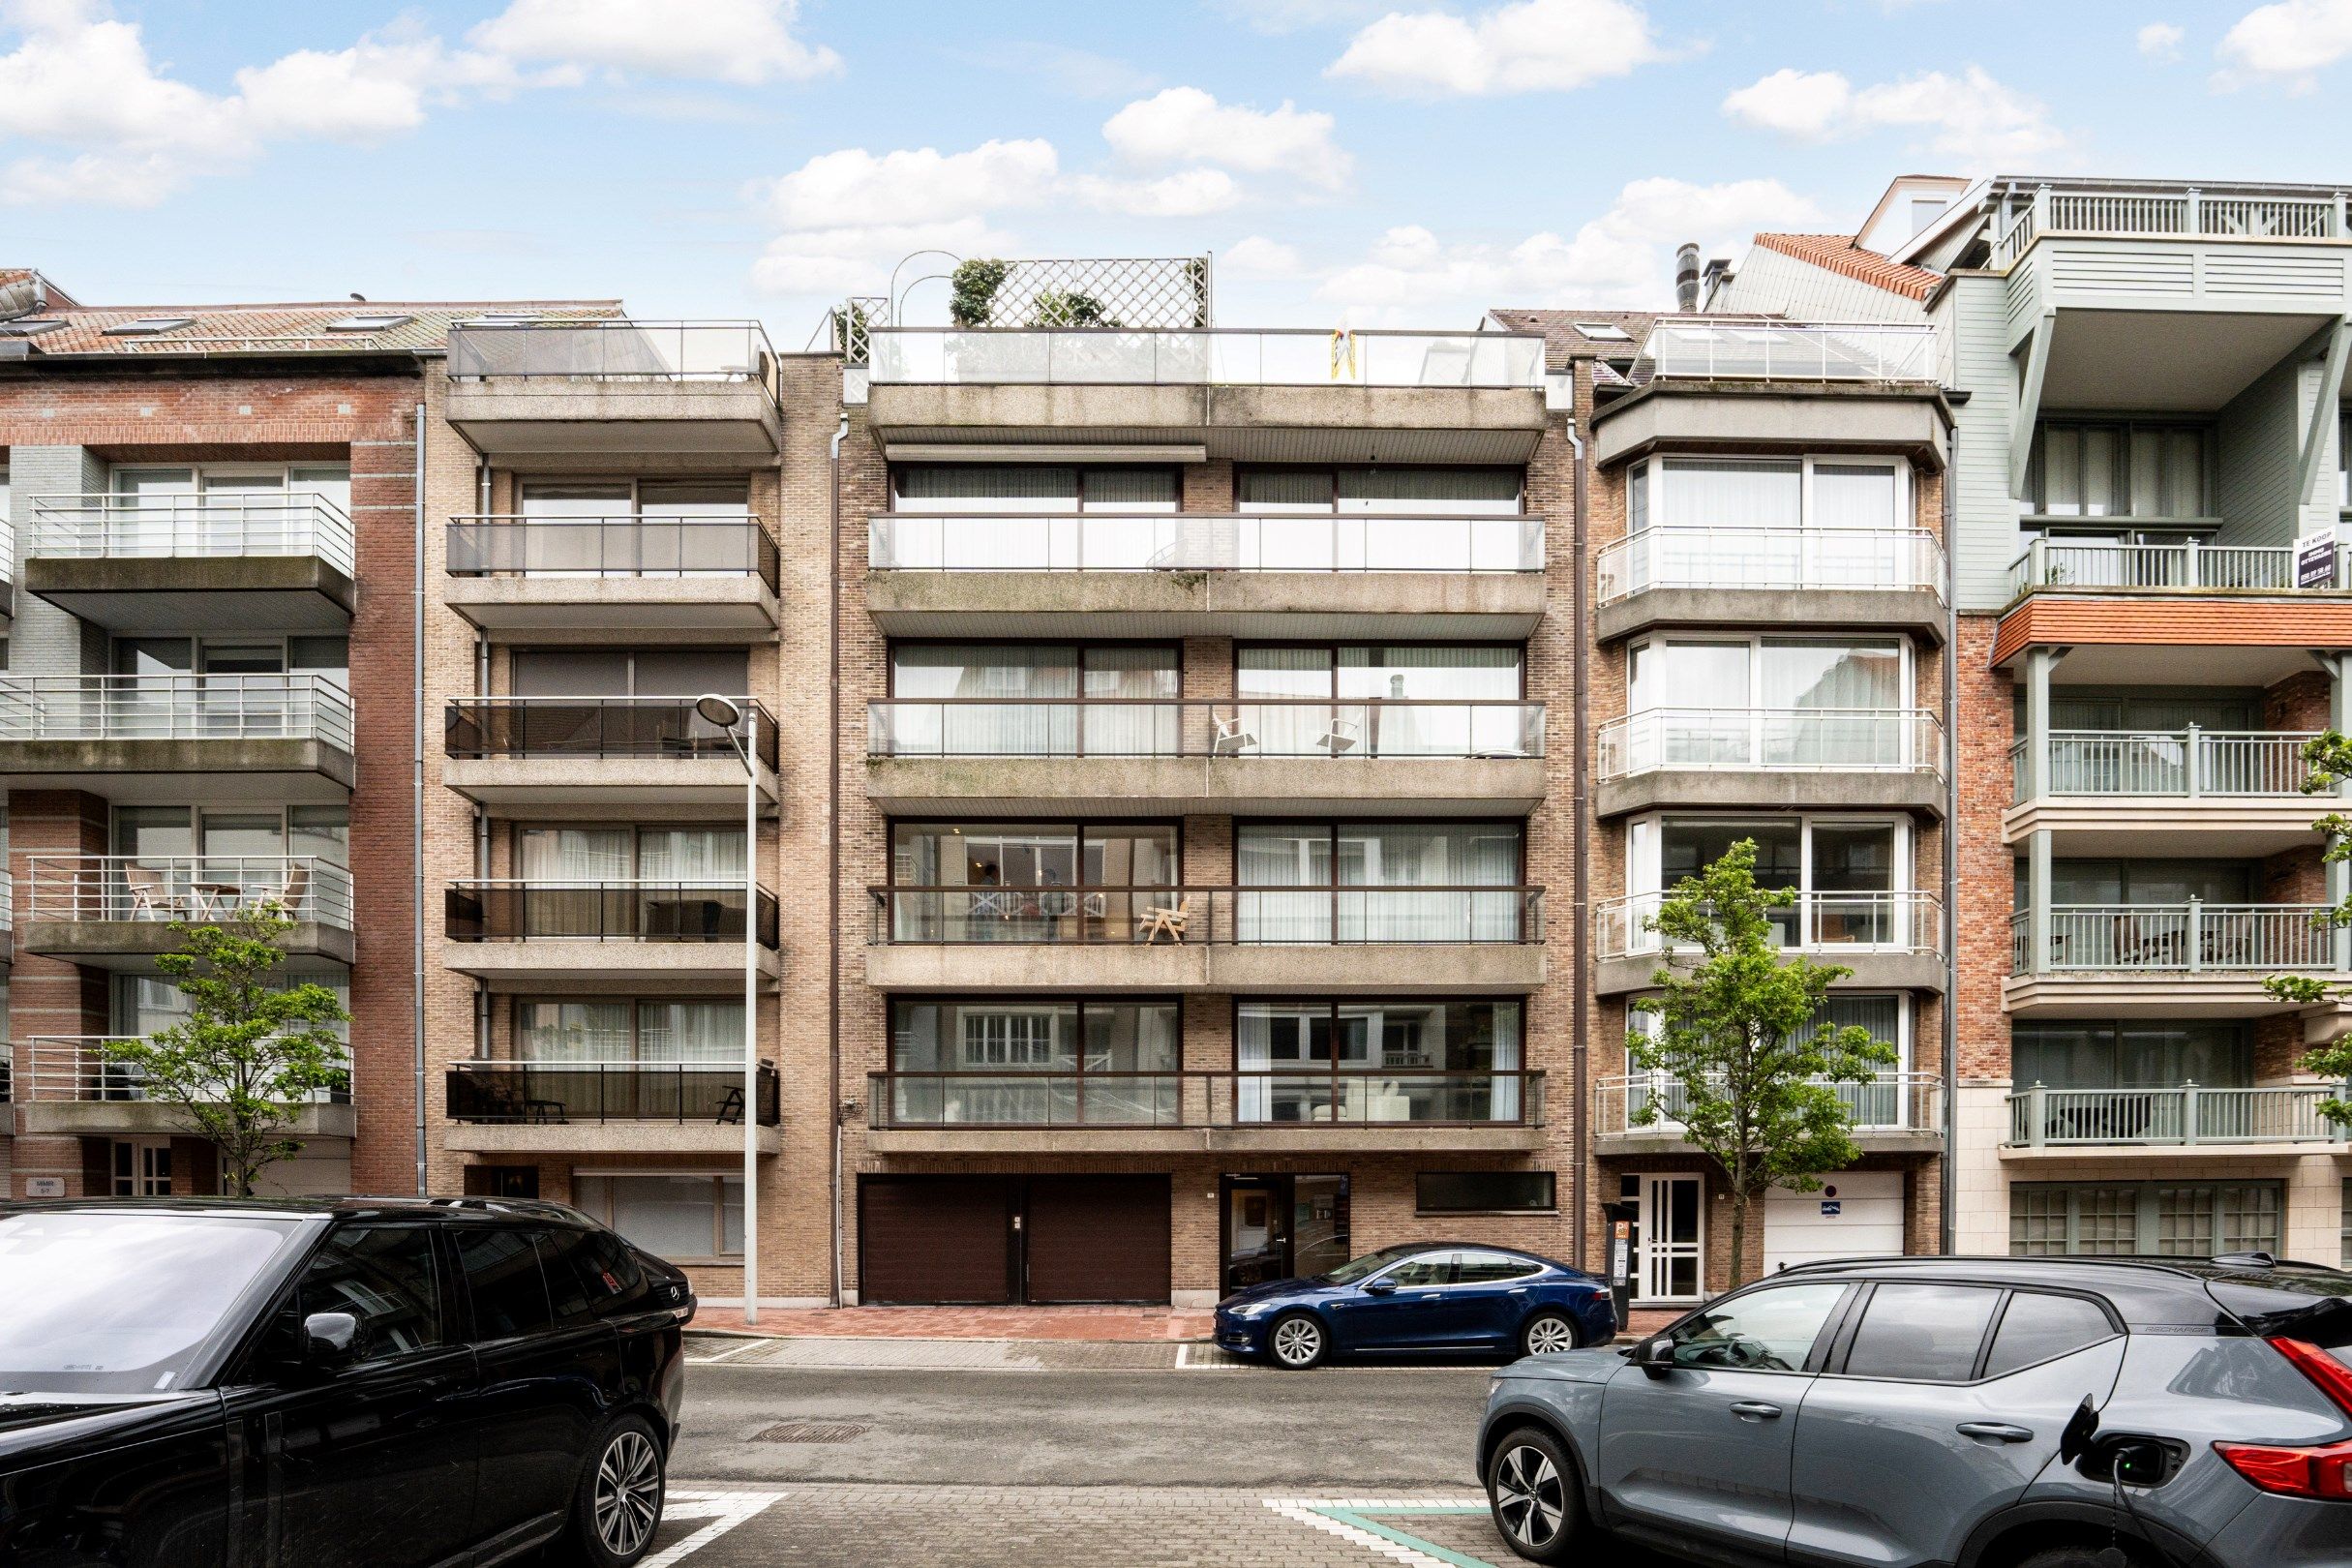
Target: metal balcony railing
[595,727]
[146,527]
[612,351]
[1401,1097]
[2158,211]
[1240,727]
[2178,939]
[177,708]
[2041,1117]
[508,910]
[2187,764]
[1201,542]
[495,545]
[77,1068]
[1827,921]
[1696,556]
[1888,1102]
[2058,563]
[559,1094]
[1788,351]
[1795,739]
[999,356]
[1414,916]
[187,888]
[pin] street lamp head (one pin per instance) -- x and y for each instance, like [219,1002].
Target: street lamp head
[719,710]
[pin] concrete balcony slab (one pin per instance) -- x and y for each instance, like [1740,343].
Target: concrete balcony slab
[2219,825]
[1287,1138]
[1206,604]
[135,595]
[299,770]
[133,946]
[606,1139]
[1919,791]
[648,787]
[522,418]
[585,967]
[148,1118]
[1242,969]
[591,609]
[1875,971]
[1176,786]
[1920,612]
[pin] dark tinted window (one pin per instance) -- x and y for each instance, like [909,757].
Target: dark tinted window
[562,1257]
[503,1272]
[1924,1333]
[2037,1328]
[383,1276]
[618,1283]
[1485,1268]
[1474,1191]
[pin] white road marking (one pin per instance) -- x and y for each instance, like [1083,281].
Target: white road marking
[725,1510]
[1303,1510]
[726,1355]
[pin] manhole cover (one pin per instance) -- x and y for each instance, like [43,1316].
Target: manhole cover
[810,1431]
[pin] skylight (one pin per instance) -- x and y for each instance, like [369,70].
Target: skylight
[369,324]
[500,318]
[1604,332]
[29,329]
[148,326]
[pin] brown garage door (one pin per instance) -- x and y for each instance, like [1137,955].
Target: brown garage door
[935,1239]
[1098,1238]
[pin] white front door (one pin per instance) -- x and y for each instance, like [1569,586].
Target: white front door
[1673,1263]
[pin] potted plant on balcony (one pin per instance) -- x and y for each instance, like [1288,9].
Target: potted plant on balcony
[252,1050]
[1738,1035]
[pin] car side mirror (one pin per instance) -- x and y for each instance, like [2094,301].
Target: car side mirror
[1655,1357]
[1379,1287]
[330,1339]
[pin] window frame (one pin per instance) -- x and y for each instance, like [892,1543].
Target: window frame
[1907,675]
[2147,1213]
[1083,1005]
[1645,843]
[2033,506]
[1079,828]
[718,1179]
[1334,646]
[1335,469]
[1078,506]
[1422,1209]
[1658,507]
[516,1003]
[1842,1349]
[889,664]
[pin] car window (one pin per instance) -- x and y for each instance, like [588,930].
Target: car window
[618,1281]
[1770,1330]
[1924,1333]
[2036,1328]
[502,1275]
[1420,1273]
[1488,1268]
[1370,1263]
[562,1258]
[383,1276]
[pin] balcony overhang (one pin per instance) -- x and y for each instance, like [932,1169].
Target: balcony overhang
[174,594]
[134,945]
[2151,994]
[528,421]
[1920,612]
[1254,424]
[148,1118]
[636,787]
[2201,636]
[1873,970]
[1919,791]
[2234,825]
[1206,604]
[593,968]
[606,1138]
[1110,969]
[592,608]
[1272,1139]
[302,771]
[1206,786]
[2185,1157]
[1646,1141]
[1694,414]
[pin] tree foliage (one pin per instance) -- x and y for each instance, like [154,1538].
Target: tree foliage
[1739,1038]
[972,290]
[1067,308]
[251,1050]
[2330,756]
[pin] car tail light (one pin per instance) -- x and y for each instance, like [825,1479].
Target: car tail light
[2333,1378]
[2294,1472]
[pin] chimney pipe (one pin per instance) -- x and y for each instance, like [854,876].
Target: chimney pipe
[1686,277]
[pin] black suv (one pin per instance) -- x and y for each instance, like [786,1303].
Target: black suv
[251,1384]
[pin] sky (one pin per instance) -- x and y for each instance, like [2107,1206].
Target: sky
[1399,163]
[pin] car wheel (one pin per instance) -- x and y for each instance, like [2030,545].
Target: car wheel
[1297,1341]
[1546,1333]
[1531,1488]
[617,1505]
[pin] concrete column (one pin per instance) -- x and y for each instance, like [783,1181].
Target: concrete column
[2338,873]
[2037,899]
[44,640]
[2039,661]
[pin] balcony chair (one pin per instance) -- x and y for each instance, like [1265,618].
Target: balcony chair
[1171,921]
[730,1111]
[150,893]
[1338,737]
[1232,740]
[295,893]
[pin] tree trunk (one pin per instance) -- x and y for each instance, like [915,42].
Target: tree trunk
[1740,1238]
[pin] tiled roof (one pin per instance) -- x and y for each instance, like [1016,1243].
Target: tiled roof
[1838,253]
[2187,621]
[18,275]
[283,329]
[1562,342]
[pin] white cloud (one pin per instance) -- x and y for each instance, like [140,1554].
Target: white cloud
[855,187]
[1187,125]
[376,88]
[1257,256]
[735,41]
[1623,258]
[2161,40]
[1533,45]
[1191,192]
[1970,118]
[2286,43]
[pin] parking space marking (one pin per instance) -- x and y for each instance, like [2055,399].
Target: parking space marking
[725,1355]
[1347,1518]
[723,1511]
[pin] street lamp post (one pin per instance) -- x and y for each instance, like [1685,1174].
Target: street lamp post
[742,721]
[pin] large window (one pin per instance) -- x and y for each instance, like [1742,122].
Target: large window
[1769,522]
[682,1217]
[1883,1101]
[1849,871]
[698,855]
[1014,1061]
[667,672]
[1413,882]
[2119,471]
[1031,882]
[1369,491]
[1485,1192]
[2152,1055]
[1417,1060]
[1335,699]
[1771,702]
[2155,1219]
[597,1029]
[2150,881]
[1021,487]
[222,507]
[1032,700]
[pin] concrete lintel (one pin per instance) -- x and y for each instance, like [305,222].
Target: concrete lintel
[1679,414]
[603,604]
[1919,791]
[150,1118]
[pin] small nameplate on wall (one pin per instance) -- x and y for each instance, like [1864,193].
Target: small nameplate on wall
[41,1187]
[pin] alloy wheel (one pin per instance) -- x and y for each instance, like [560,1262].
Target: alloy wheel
[1297,1342]
[1529,1496]
[1549,1334]
[628,1493]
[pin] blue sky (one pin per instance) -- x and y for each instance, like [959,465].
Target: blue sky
[1406,162]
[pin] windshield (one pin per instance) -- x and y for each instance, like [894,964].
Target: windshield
[1372,1264]
[97,1303]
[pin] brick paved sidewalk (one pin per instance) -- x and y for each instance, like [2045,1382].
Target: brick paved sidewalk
[1147,1324]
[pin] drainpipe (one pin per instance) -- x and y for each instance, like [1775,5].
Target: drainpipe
[416,802]
[1948,1230]
[1580,934]
[832,845]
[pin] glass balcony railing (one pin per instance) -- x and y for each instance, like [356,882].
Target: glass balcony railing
[1201,542]
[190,887]
[2094,567]
[2187,764]
[78,1067]
[1885,1102]
[562,1094]
[2176,938]
[582,728]
[631,547]
[1003,356]
[1832,922]
[1781,560]
[177,708]
[612,351]
[1418,915]
[1349,1097]
[1788,351]
[1240,728]
[2041,1117]
[213,527]
[591,911]
[1857,740]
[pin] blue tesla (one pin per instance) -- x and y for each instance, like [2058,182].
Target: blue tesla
[1421,1297]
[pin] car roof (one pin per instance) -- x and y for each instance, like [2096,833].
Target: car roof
[2149,1291]
[455,1210]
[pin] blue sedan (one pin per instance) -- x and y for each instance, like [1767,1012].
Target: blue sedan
[1422,1297]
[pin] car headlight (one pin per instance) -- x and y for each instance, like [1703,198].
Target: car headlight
[1255,1309]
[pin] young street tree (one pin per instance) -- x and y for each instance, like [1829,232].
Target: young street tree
[2331,760]
[251,1051]
[1738,1035]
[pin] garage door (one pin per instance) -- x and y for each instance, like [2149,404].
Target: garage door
[1854,1214]
[935,1239]
[1098,1238]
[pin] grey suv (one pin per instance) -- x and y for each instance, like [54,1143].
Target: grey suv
[1979,1412]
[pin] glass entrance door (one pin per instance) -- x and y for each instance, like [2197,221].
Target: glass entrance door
[1670,1261]
[1282,1228]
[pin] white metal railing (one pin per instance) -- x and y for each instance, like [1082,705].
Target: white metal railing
[145,527]
[2061,563]
[7,903]
[1867,739]
[76,1066]
[176,707]
[190,887]
[1697,555]
[2040,1116]
[1788,351]
[2180,210]
[612,351]
[2177,938]
[1202,542]
[981,356]
[2187,764]
[1906,921]
[1889,1102]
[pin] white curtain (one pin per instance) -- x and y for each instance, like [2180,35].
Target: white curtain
[695,857]
[1273,857]
[711,1032]
[1859,681]
[1022,725]
[1132,709]
[1397,857]
[577,855]
[572,1030]
[1851,543]
[1288,729]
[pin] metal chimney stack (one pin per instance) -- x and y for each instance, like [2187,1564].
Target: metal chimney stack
[1686,277]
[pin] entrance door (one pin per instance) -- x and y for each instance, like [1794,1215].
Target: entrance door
[1671,1262]
[1282,1228]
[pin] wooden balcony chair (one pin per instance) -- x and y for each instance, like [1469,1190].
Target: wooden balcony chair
[1170,921]
[149,892]
[295,893]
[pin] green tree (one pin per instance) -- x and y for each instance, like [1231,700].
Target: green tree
[1740,1037]
[2331,759]
[251,1050]
[972,290]
[1067,308]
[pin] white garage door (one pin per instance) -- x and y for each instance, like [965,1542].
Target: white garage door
[1857,1214]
